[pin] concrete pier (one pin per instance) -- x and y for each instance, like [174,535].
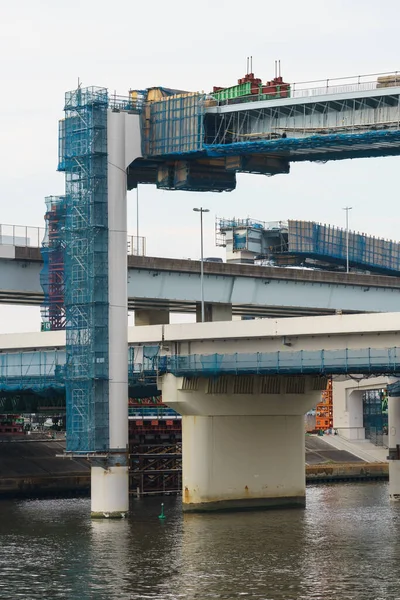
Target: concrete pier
[243,440]
[394,448]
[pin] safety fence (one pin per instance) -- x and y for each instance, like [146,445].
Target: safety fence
[318,362]
[324,241]
[36,370]
[21,235]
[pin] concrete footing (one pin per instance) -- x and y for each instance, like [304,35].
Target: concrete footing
[246,504]
[109,492]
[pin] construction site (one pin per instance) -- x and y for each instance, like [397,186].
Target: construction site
[195,142]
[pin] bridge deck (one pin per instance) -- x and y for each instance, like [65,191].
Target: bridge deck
[173,284]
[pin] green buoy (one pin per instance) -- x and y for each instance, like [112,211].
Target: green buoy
[162,516]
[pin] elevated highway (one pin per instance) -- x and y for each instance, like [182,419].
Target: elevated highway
[173,285]
[211,138]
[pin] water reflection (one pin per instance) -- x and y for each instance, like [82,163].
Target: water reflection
[345,544]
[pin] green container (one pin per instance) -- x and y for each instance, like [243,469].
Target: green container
[236,91]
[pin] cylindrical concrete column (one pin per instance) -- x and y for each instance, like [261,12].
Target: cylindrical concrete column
[117,278]
[110,483]
[394,447]
[109,492]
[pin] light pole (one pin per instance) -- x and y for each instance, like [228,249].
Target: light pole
[201,210]
[137,219]
[347,208]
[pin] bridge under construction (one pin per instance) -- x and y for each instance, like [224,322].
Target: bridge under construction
[178,141]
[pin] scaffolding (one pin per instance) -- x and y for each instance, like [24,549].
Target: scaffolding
[324,409]
[173,125]
[38,372]
[52,274]
[329,243]
[83,157]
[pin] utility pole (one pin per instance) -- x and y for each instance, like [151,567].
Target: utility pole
[137,219]
[347,208]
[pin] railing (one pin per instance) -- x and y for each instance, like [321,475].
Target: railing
[337,85]
[21,235]
[136,245]
[343,85]
[378,437]
[128,103]
[317,362]
[153,412]
[32,237]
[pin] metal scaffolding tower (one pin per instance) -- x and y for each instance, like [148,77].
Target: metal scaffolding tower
[83,157]
[52,274]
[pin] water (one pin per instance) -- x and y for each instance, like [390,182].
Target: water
[345,545]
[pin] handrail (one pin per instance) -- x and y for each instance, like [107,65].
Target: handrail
[21,235]
[332,86]
[33,237]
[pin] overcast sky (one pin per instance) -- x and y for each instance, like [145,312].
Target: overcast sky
[46,45]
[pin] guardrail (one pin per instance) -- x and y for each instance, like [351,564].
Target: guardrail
[32,237]
[303,362]
[136,245]
[336,85]
[21,235]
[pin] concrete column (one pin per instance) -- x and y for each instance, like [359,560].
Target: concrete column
[243,440]
[109,492]
[394,447]
[110,482]
[214,312]
[151,317]
[348,410]
[233,462]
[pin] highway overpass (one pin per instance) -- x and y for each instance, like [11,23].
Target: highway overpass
[173,285]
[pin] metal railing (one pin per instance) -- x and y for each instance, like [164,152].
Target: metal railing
[21,235]
[128,103]
[342,85]
[32,237]
[302,362]
[336,85]
[136,245]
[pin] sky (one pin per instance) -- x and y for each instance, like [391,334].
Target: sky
[47,45]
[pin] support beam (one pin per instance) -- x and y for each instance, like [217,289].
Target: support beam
[214,312]
[243,440]
[151,317]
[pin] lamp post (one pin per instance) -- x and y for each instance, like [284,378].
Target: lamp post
[347,208]
[137,219]
[201,210]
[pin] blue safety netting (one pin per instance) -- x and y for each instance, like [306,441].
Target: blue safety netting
[318,362]
[304,147]
[41,371]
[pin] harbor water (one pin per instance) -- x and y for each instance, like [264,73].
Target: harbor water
[344,545]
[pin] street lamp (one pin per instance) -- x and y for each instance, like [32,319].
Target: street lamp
[347,208]
[137,219]
[201,210]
